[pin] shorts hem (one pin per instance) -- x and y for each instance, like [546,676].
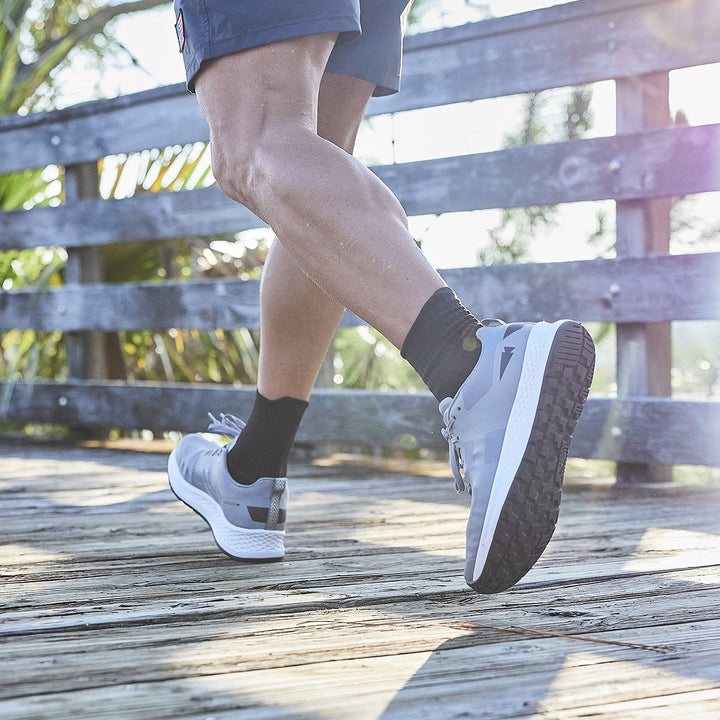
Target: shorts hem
[346,25]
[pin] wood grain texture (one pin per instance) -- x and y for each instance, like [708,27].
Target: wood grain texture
[644,351]
[600,40]
[590,290]
[116,602]
[659,163]
[570,44]
[148,216]
[86,357]
[605,39]
[643,430]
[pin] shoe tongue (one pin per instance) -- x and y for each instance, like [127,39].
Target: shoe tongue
[229,445]
[227,424]
[444,405]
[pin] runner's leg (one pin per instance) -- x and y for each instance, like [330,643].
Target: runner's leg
[297,318]
[337,220]
[295,313]
[348,233]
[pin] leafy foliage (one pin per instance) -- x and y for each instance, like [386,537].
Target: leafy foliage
[27,354]
[365,359]
[37,39]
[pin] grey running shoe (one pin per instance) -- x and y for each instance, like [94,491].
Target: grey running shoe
[247,521]
[509,429]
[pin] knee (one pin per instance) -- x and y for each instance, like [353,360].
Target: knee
[235,166]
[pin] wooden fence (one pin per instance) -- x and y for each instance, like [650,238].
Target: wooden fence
[634,42]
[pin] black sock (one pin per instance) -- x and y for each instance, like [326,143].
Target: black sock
[263,447]
[441,344]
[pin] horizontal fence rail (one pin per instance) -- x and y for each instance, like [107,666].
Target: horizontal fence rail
[624,290]
[650,430]
[659,163]
[570,44]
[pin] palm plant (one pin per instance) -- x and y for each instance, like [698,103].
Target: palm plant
[37,38]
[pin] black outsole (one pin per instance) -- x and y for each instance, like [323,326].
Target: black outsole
[528,517]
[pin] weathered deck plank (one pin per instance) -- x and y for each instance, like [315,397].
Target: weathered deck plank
[116,604]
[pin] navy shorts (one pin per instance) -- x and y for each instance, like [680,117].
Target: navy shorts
[369,44]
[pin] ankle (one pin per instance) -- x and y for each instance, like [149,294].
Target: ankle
[263,447]
[442,345]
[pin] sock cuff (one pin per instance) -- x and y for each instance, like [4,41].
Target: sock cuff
[442,301]
[285,403]
[279,418]
[441,344]
[263,447]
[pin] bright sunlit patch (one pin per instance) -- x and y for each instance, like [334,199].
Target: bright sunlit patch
[668,549]
[12,555]
[437,529]
[348,689]
[172,507]
[613,681]
[96,497]
[689,93]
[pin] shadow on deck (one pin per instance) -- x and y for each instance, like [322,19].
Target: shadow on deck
[116,603]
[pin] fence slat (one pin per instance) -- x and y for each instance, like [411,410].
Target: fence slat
[649,430]
[659,163]
[128,306]
[90,132]
[591,290]
[572,44]
[603,39]
[86,355]
[148,216]
[644,350]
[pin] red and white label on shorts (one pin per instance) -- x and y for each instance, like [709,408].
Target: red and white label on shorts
[180,30]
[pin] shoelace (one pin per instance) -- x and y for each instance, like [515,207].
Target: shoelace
[227,424]
[455,456]
[456,461]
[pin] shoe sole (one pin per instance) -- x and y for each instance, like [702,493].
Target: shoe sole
[525,499]
[236,542]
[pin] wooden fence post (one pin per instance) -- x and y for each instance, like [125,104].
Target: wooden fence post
[644,350]
[85,350]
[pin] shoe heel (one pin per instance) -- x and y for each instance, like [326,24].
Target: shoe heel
[572,363]
[274,511]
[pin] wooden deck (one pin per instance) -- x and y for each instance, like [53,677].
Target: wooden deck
[116,604]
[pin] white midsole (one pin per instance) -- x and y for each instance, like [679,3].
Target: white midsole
[517,434]
[243,543]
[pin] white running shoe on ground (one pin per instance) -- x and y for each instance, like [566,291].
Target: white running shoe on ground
[247,521]
[509,429]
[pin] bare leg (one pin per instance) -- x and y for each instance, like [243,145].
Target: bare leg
[340,224]
[297,318]
[509,432]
